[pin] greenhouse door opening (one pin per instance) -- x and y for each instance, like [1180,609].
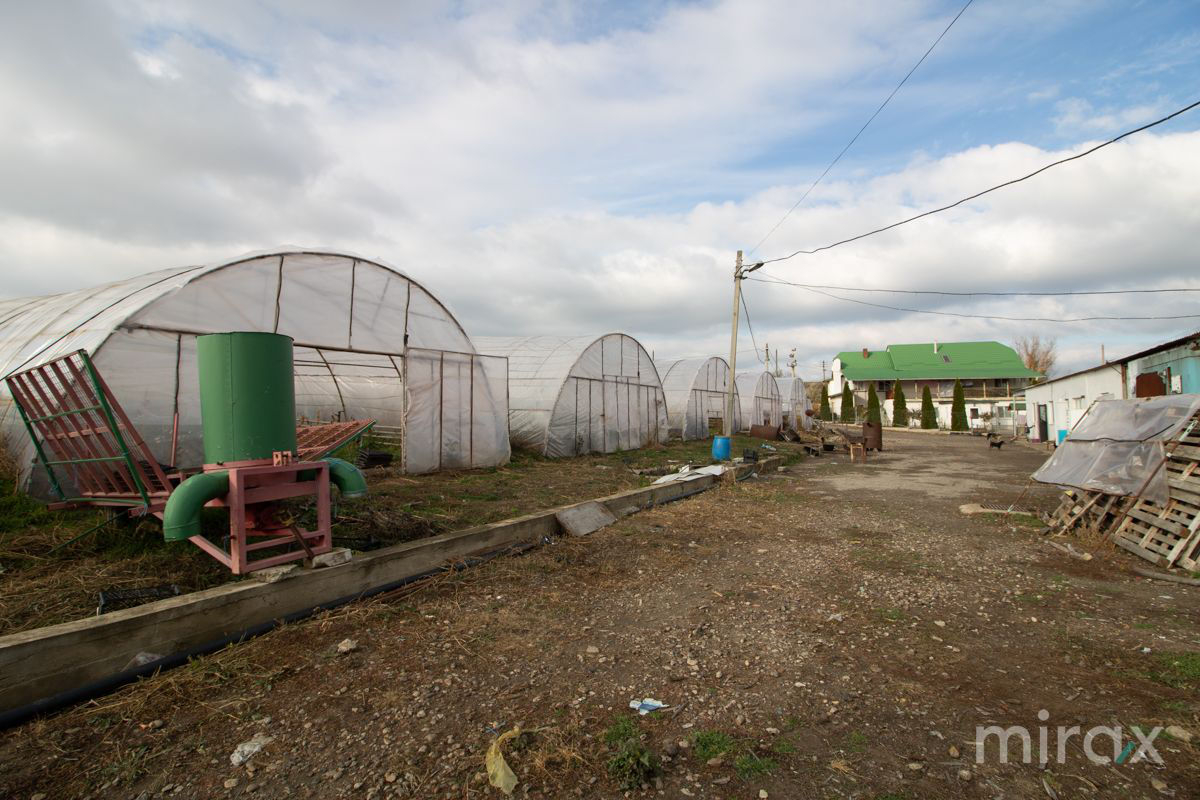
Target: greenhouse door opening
[613,413]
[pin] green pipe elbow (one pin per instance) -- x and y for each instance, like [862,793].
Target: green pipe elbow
[350,482]
[181,517]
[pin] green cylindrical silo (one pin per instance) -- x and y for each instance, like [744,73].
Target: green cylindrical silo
[247,396]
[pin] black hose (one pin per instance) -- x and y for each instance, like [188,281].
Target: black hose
[102,686]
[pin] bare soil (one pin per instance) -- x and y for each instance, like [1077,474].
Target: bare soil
[830,631]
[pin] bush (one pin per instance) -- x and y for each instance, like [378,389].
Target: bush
[873,414]
[928,415]
[825,412]
[958,409]
[847,414]
[899,406]
[632,763]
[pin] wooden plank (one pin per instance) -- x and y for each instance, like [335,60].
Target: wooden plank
[1157,521]
[1137,550]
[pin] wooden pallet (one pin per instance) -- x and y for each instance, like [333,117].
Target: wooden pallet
[1169,535]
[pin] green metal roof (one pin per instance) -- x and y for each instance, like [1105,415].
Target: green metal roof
[950,360]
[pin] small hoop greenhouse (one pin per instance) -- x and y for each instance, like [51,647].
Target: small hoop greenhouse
[760,398]
[574,395]
[696,391]
[795,403]
[369,343]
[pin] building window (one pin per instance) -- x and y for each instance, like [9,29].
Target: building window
[1078,402]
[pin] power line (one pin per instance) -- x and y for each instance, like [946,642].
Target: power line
[850,144]
[977,195]
[749,327]
[979,316]
[767,278]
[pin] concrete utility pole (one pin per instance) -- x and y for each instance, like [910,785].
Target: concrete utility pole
[738,274]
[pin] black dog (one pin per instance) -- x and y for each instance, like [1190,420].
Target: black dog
[997,443]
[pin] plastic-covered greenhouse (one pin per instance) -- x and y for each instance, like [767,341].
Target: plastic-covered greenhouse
[760,399]
[369,342]
[795,403]
[696,391]
[585,394]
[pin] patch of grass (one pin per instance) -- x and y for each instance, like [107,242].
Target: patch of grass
[710,744]
[892,615]
[1178,706]
[751,765]
[783,747]
[1143,626]
[623,729]
[1177,670]
[856,742]
[632,762]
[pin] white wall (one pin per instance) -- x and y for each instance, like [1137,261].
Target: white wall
[1068,399]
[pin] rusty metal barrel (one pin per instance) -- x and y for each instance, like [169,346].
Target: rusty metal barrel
[872,436]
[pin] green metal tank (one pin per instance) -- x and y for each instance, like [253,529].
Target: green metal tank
[247,395]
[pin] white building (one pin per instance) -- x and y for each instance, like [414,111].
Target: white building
[1054,406]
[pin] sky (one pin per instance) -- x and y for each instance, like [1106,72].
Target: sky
[577,168]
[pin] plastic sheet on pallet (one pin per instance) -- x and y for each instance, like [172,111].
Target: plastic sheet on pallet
[1117,447]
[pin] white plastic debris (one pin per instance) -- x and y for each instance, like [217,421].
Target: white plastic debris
[249,748]
[647,705]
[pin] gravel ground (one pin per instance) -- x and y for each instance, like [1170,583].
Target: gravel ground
[830,631]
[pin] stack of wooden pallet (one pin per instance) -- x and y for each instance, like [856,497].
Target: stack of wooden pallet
[1167,535]
[1082,512]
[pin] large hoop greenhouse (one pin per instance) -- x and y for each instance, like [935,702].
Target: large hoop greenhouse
[369,342]
[584,394]
[795,403]
[760,398]
[696,391]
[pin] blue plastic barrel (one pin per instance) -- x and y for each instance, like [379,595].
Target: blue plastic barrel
[1061,436]
[721,448]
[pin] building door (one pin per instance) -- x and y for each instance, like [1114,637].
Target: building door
[1043,425]
[1149,384]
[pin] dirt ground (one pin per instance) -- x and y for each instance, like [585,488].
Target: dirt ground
[829,631]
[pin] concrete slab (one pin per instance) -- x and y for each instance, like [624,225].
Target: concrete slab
[585,518]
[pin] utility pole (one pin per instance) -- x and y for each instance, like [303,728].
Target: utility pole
[738,274]
[792,361]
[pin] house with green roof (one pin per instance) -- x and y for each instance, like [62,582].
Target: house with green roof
[990,372]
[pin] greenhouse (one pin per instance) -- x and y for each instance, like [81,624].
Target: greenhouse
[569,396]
[697,391]
[795,403]
[760,399]
[369,343]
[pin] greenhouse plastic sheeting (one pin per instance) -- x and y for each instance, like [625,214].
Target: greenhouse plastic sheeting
[760,399]
[352,319]
[795,403]
[1117,447]
[574,395]
[696,390]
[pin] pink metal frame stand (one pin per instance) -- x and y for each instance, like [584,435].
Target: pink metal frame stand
[253,523]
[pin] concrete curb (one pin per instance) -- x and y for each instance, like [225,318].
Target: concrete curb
[36,666]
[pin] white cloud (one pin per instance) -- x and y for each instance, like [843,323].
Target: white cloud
[540,171]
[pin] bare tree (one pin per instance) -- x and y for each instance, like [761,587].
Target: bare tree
[1036,352]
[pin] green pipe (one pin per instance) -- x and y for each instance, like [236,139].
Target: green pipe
[346,477]
[181,517]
